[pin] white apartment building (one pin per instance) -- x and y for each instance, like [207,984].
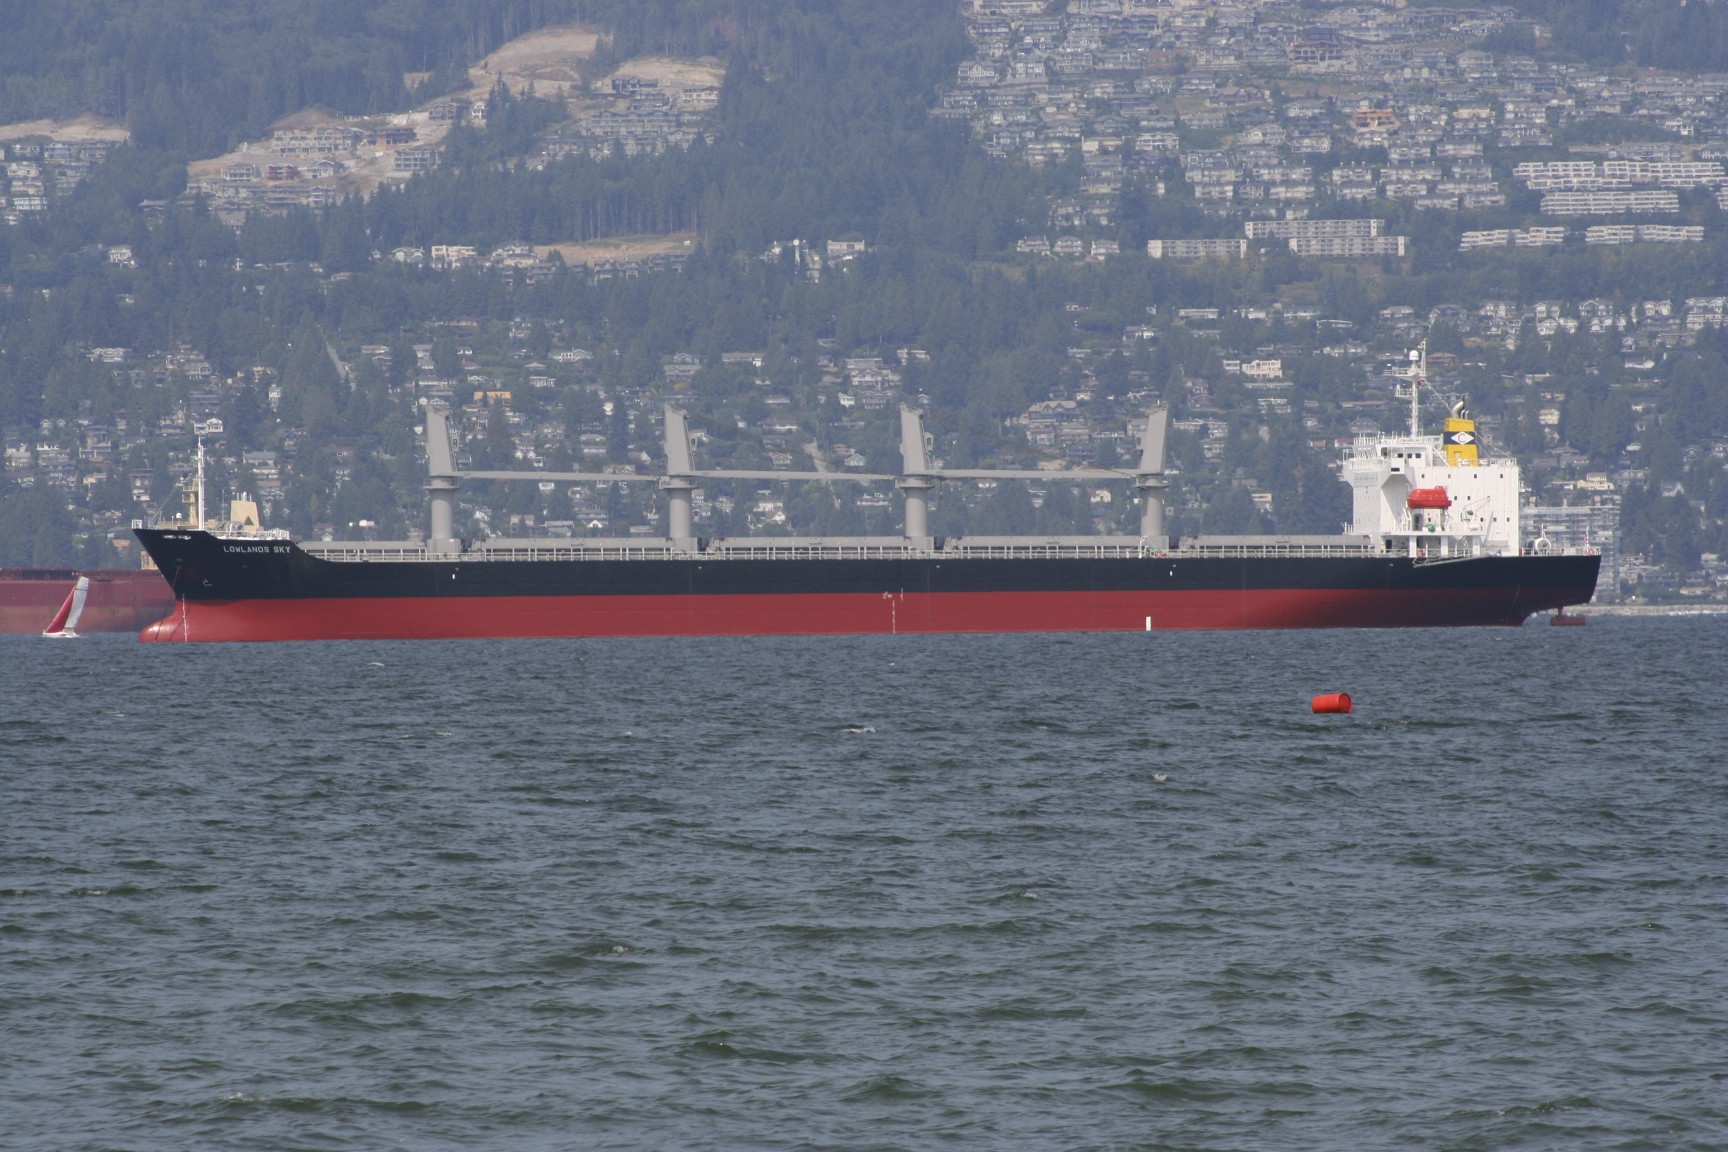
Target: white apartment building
[1652,202]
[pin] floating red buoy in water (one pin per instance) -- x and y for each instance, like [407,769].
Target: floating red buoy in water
[1332,702]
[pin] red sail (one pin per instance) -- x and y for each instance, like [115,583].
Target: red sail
[59,624]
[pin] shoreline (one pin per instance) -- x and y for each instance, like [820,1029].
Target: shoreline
[1710,609]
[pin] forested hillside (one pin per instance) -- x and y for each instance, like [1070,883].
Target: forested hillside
[196,76]
[1654,33]
[300,339]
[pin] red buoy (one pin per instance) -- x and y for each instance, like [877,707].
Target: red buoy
[1332,702]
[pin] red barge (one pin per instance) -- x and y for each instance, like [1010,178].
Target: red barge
[119,600]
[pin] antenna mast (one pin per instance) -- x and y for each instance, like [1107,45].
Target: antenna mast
[201,520]
[1418,370]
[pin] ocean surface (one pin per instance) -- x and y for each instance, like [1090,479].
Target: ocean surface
[1113,892]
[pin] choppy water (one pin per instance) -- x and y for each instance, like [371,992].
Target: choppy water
[979,892]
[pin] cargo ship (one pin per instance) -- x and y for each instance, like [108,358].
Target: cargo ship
[1434,541]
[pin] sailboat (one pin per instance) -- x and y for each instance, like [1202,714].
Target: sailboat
[66,619]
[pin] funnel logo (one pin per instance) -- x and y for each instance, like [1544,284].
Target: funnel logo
[1461,439]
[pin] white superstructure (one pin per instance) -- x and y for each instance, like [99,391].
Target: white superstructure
[1433,496]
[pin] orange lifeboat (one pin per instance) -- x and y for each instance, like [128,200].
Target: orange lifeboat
[1430,498]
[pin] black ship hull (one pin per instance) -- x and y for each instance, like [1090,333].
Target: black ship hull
[229,589]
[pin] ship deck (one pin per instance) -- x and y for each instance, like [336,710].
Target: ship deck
[852,548]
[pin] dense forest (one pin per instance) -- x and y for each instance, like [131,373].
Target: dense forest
[1675,34]
[198,76]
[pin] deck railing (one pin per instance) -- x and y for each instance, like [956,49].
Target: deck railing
[721,550]
[1071,548]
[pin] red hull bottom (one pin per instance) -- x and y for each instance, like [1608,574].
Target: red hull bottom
[841,614]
